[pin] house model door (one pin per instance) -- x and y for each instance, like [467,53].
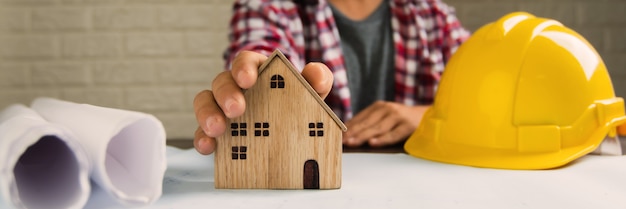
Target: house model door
[311,178]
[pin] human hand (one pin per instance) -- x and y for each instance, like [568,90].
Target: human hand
[226,99]
[383,123]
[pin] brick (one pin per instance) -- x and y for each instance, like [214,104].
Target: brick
[79,1]
[615,63]
[206,43]
[220,17]
[595,35]
[154,44]
[151,2]
[60,74]
[60,18]
[186,16]
[28,46]
[92,45]
[156,99]
[14,18]
[192,90]
[96,2]
[620,87]
[178,125]
[604,13]
[101,96]
[123,73]
[25,2]
[615,39]
[128,17]
[562,12]
[14,75]
[478,14]
[187,72]
[212,2]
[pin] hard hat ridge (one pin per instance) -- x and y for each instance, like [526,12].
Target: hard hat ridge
[522,93]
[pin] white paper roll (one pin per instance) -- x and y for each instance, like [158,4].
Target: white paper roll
[41,165]
[126,149]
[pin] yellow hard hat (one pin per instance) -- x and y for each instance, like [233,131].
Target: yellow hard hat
[522,93]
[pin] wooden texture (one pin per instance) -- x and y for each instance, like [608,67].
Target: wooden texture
[292,146]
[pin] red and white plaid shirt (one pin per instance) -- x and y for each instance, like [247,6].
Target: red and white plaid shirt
[425,34]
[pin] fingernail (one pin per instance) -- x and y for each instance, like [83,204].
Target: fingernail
[202,143]
[201,146]
[240,76]
[230,104]
[374,141]
[210,124]
[351,140]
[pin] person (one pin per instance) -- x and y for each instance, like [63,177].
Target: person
[377,63]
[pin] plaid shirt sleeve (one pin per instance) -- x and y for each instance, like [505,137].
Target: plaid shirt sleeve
[430,33]
[263,26]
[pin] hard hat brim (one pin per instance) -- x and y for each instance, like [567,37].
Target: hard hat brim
[499,158]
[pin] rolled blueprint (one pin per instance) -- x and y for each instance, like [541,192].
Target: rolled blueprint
[126,149]
[41,165]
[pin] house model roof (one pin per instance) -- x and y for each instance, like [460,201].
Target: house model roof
[280,56]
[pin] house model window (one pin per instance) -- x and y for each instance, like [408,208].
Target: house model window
[316,129]
[238,129]
[239,152]
[277,82]
[261,129]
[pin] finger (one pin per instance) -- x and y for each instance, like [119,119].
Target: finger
[396,135]
[319,77]
[228,95]
[354,142]
[366,118]
[204,145]
[208,114]
[383,125]
[245,68]
[370,123]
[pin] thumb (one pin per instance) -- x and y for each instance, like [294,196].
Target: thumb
[319,77]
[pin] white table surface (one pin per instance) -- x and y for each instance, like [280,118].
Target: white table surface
[402,181]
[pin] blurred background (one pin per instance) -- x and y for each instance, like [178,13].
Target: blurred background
[153,56]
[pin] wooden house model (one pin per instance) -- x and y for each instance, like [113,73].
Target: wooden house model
[288,138]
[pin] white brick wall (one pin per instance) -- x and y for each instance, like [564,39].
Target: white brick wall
[144,55]
[155,55]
